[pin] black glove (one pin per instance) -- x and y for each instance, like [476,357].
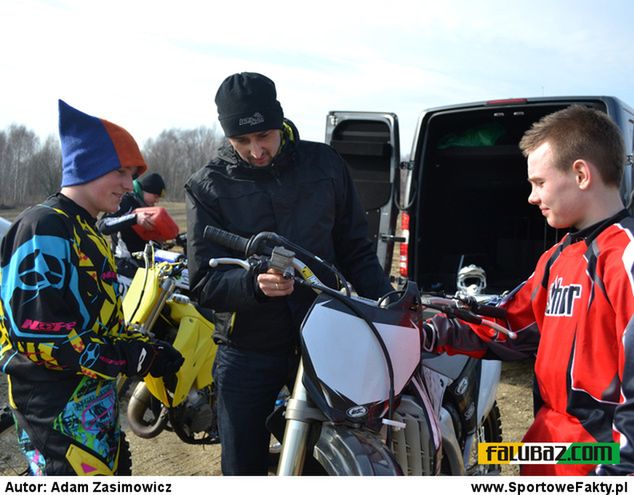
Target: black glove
[167,360]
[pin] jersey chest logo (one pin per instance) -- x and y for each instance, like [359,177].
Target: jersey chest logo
[562,298]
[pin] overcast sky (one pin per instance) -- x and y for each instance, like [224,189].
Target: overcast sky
[154,65]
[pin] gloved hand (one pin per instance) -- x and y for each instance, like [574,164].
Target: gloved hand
[441,334]
[167,360]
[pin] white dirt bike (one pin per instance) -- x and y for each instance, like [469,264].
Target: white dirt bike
[366,400]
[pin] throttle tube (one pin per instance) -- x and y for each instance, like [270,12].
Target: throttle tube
[226,239]
[488,310]
[466,316]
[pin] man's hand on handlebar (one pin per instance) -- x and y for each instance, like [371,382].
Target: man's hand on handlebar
[273,284]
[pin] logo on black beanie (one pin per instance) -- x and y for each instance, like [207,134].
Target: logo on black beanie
[251,121]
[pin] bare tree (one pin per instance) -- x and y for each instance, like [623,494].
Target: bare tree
[45,168]
[3,172]
[177,153]
[30,170]
[21,143]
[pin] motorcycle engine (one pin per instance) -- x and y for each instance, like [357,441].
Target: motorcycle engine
[197,411]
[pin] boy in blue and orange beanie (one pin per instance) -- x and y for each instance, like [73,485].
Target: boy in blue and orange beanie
[62,336]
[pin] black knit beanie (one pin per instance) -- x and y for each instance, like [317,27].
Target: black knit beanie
[247,102]
[152,183]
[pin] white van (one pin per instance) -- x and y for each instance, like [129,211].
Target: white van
[464,189]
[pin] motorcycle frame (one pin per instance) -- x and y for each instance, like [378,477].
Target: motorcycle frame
[151,290]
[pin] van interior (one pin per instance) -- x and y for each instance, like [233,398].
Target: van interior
[471,199]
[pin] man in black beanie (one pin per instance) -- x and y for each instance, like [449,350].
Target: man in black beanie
[148,190]
[267,179]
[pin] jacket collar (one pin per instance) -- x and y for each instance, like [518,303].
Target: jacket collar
[283,159]
[71,208]
[590,233]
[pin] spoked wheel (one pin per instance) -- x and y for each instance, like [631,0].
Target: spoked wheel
[489,431]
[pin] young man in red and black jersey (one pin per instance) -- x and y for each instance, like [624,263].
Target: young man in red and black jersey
[576,311]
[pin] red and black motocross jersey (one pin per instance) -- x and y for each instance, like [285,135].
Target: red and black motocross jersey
[577,312]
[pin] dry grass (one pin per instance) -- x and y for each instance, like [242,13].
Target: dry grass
[176,210]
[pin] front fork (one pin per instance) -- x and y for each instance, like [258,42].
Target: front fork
[299,417]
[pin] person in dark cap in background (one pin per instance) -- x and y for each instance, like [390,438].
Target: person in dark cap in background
[267,179]
[147,191]
[62,335]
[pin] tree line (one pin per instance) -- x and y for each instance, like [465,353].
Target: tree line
[30,168]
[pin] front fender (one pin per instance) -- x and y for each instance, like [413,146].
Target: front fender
[194,341]
[345,451]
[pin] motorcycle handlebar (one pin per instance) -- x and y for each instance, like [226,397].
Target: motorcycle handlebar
[486,309]
[469,310]
[227,239]
[265,244]
[468,304]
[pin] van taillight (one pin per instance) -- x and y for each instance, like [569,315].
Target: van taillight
[507,101]
[403,271]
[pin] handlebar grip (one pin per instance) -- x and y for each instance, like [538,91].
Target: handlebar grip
[226,239]
[492,311]
[466,316]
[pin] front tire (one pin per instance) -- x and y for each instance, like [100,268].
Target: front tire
[489,431]
[124,467]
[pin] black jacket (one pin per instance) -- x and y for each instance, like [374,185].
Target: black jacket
[305,195]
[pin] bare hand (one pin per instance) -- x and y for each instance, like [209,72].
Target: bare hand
[273,284]
[145,220]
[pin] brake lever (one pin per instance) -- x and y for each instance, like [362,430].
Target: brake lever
[216,262]
[466,315]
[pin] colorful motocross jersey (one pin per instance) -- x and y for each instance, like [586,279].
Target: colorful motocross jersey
[579,307]
[62,339]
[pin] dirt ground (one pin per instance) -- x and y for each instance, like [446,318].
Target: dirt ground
[166,455]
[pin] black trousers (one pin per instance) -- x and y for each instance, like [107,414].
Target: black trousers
[247,385]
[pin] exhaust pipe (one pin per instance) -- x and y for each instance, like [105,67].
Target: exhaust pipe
[140,402]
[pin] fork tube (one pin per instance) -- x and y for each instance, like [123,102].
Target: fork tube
[167,289]
[295,434]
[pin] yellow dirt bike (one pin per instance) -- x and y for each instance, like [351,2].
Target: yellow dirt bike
[184,402]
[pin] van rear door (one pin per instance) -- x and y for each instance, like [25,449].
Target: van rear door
[369,143]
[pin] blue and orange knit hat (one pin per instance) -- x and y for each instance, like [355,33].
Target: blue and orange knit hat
[93,147]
